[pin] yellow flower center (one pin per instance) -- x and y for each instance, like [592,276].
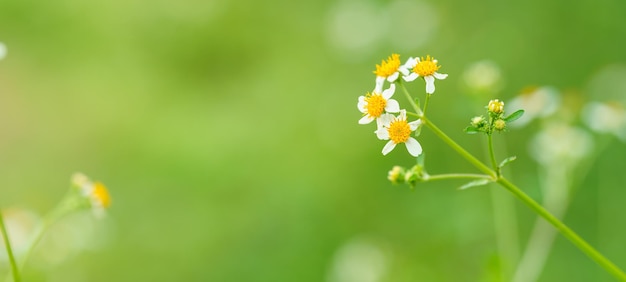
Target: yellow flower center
[426,66]
[101,194]
[375,104]
[399,131]
[389,67]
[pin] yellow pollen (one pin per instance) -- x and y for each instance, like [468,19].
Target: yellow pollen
[426,66]
[375,104]
[399,131]
[389,67]
[101,194]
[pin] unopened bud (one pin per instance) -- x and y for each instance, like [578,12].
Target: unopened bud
[496,106]
[499,125]
[478,121]
[396,175]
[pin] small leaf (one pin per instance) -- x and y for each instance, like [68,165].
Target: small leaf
[471,130]
[514,116]
[507,161]
[475,183]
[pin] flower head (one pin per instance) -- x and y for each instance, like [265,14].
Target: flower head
[397,130]
[95,192]
[374,105]
[426,68]
[496,106]
[388,69]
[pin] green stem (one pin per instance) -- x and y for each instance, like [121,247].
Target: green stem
[411,101]
[457,176]
[469,157]
[426,103]
[566,231]
[492,156]
[7,244]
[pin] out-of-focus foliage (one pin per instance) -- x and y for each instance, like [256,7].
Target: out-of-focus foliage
[227,134]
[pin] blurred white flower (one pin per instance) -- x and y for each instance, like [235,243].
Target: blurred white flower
[359,260]
[97,194]
[559,143]
[538,103]
[483,76]
[426,68]
[375,104]
[606,118]
[402,22]
[20,224]
[355,28]
[3,50]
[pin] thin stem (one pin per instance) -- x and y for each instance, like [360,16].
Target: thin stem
[411,101]
[469,157]
[566,231]
[457,176]
[492,156]
[7,244]
[426,103]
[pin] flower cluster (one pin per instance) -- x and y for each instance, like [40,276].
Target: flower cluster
[379,106]
[496,120]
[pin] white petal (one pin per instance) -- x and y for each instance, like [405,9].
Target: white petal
[393,77]
[404,70]
[392,106]
[384,120]
[414,147]
[430,84]
[379,84]
[366,119]
[361,104]
[440,75]
[410,63]
[388,147]
[415,124]
[382,133]
[402,115]
[389,92]
[412,76]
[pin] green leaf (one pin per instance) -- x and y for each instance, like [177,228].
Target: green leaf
[471,130]
[475,183]
[507,161]
[514,116]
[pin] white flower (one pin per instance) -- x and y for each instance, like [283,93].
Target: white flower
[3,50]
[387,70]
[560,144]
[374,105]
[606,118]
[536,103]
[426,68]
[397,130]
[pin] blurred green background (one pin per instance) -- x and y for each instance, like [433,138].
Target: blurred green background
[227,134]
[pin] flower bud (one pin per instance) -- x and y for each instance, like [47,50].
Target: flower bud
[499,125]
[496,106]
[396,175]
[478,121]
